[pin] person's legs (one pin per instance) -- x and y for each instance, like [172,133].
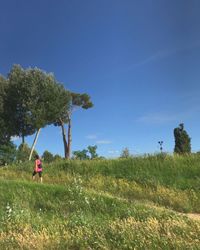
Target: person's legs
[40,175]
[33,176]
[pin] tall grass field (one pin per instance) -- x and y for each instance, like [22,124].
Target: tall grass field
[150,202]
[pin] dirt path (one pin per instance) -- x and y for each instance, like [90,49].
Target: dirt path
[193,216]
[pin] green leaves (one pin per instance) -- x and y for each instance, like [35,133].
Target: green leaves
[92,150]
[34,99]
[4,133]
[81,100]
[23,152]
[83,154]
[182,140]
[47,156]
[7,153]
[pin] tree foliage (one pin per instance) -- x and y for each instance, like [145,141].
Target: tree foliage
[7,153]
[18,100]
[182,140]
[92,151]
[34,99]
[47,156]
[85,154]
[23,152]
[57,157]
[81,154]
[125,153]
[4,132]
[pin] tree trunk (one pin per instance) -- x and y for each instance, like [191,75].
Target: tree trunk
[34,143]
[64,138]
[69,139]
[23,139]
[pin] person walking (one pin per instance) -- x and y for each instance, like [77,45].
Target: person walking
[37,168]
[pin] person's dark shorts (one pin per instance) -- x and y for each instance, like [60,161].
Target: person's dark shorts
[40,173]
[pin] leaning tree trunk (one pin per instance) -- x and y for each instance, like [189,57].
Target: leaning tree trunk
[69,139]
[64,138]
[34,143]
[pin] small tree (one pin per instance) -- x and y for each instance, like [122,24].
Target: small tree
[57,157]
[125,153]
[182,140]
[48,156]
[92,151]
[81,155]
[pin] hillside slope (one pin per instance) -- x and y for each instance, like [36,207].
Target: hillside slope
[109,204]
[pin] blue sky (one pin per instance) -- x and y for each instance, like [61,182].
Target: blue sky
[138,60]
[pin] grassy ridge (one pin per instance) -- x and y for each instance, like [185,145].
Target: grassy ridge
[178,172]
[173,182]
[107,204]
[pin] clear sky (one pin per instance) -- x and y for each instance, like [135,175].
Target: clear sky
[138,60]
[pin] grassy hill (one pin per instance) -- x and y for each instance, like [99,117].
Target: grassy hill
[139,203]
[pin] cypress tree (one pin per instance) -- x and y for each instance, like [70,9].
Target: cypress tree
[182,140]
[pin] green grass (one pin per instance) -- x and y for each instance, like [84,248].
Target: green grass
[102,204]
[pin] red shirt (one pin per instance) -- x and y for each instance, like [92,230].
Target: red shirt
[37,165]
